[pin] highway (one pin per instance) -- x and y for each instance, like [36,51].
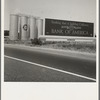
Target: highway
[27,64]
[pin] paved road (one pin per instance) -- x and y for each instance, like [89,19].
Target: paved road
[78,65]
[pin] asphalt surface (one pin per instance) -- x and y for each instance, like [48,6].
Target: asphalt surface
[19,71]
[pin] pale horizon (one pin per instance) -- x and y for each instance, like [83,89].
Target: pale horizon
[73,10]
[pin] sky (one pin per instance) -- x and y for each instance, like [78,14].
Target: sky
[73,10]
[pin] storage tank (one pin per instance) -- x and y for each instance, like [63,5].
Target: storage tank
[24,28]
[40,26]
[13,35]
[33,33]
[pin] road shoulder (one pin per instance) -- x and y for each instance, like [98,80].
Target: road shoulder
[77,54]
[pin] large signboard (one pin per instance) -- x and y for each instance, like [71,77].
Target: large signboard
[68,28]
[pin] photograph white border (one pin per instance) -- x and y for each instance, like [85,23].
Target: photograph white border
[49,91]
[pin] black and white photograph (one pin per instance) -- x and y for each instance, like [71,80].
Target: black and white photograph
[50,42]
[55,42]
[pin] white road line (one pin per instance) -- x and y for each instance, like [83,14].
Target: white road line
[48,67]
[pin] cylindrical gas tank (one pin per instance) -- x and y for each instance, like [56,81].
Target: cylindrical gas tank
[33,33]
[40,26]
[13,27]
[24,28]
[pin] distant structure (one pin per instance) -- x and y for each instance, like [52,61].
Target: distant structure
[25,27]
[6,33]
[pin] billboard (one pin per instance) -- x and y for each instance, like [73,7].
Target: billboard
[68,28]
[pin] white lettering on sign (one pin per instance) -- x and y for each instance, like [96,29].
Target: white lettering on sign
[56,22]
[56,31]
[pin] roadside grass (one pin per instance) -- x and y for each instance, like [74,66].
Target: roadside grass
[75,46]
[80,46]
